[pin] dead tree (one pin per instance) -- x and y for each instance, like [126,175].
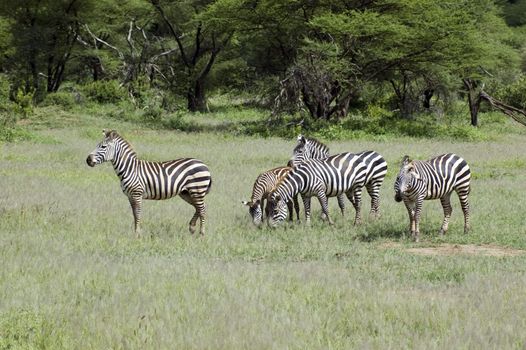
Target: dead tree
[474,94]
[519,115]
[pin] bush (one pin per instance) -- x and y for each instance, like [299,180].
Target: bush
[105,91]
[23,103]
[63,99]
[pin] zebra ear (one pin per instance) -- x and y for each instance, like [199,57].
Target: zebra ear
[301,138]
[245,203]
[406,160]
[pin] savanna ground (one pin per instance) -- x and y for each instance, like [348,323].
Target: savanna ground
[74,276]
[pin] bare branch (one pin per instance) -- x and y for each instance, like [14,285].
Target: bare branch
[97,39]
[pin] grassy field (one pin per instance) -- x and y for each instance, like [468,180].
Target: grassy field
[74,276]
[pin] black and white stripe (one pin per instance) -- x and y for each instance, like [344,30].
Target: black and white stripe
[263,185]
[310,148]
[436,178]
[344,173]
[187,177]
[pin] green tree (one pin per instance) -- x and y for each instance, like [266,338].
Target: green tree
[415,46]
[199,36]
[44,33]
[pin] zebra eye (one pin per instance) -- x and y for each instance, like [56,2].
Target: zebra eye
[103,146]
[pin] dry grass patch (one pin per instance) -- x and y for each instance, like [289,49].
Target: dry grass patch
[458,249]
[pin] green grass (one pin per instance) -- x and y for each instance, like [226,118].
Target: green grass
[74,276]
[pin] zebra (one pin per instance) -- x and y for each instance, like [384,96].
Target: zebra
[344,173]
[310,148]
[140,179]
[263,185]
[436,178]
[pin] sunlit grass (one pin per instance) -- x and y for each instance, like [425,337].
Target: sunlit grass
[74,276]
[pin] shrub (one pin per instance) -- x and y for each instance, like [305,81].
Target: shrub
[23,103]
[63,99]
[104,91]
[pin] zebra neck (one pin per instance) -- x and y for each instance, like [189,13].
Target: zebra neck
[125,164]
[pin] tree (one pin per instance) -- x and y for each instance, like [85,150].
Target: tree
[415,46]
[44,33]
[198,42]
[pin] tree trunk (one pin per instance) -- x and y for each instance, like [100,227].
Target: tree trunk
[428,94]
[473,99]
[196,97]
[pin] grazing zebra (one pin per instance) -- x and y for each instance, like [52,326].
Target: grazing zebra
[436,178]
[263,185]
[344,173]
[187,177]
[310,148]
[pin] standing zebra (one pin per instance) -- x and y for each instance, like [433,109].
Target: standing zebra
[187,177]
[344,173]
[263,185]
[436,178]
[310,148]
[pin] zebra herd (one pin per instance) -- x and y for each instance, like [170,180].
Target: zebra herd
[310,172]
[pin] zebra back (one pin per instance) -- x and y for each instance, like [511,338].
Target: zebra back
[267,181]
[433,178]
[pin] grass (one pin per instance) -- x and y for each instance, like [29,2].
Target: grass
[74,276]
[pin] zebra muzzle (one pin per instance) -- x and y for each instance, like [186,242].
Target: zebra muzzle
[90,161]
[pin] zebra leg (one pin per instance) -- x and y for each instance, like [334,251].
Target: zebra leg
[296,206]
[464,203]
[446,205]
[341,203]
[322,198]
[306,205]
[265,208]
[418,211]
[355,196]
[199,205]
[136,205]
[373,190]
[291,211]
[410,206]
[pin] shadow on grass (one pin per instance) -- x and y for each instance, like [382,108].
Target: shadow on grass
[377,232]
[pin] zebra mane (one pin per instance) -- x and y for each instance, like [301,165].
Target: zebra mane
[114,135]
[302,141]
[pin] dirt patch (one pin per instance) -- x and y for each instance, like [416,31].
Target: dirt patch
[458,249]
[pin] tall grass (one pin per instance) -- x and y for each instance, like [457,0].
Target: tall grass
[74,276]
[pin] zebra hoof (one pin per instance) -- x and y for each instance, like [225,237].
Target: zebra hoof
[191,229]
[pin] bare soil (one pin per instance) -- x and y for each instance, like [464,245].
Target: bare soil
[457,249]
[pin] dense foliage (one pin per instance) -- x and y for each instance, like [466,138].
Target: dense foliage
[319,60]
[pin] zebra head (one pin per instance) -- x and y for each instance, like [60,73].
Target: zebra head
[105,150]
[406,180]
[255,211]
[308,148]
[277,210]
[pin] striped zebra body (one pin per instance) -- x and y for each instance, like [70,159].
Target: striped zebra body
[341,174]
[436,178]
[310,148]
[263,185]
[187,177]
